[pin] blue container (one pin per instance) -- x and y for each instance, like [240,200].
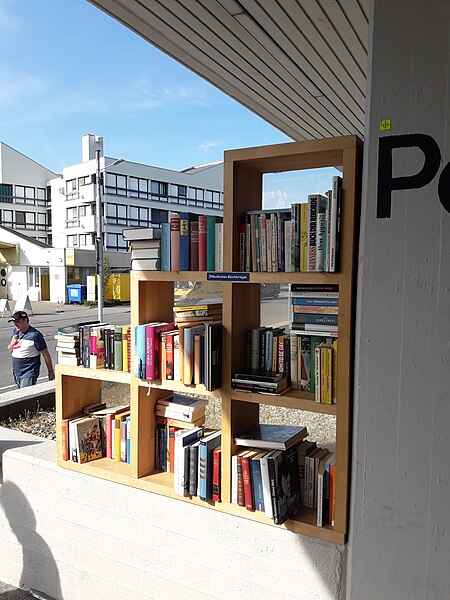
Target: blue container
[76,293]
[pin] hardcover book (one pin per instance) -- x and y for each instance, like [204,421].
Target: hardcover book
[88,443]
[272,437]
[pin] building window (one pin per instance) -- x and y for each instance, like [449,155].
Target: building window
[159,188]
[72,241]
[159,216]
[71,186]
[20,192]
[182,191]
[6,192]
[115,241]
[143,188]
[86,239]
[41,220]
[7,217]
[20,218]
[33,277]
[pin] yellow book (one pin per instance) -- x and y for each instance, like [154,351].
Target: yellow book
[117,421]
[325,373]
[304,237]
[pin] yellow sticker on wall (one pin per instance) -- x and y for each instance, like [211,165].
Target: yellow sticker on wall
[385,124]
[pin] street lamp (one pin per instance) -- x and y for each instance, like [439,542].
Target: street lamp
[99,232]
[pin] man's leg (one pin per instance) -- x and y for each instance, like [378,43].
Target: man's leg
[26,381]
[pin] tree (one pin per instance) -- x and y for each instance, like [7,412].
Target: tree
[106,275]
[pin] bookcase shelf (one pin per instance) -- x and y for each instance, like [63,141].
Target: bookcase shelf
[152,300]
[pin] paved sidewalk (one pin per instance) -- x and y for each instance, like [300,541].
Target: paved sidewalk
[8,592]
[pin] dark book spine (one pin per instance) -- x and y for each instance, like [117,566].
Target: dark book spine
[193,470]
[273,487]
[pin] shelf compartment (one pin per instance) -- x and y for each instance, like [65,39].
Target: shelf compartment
[102,467]
[292,399]
[98,374]
[180,388]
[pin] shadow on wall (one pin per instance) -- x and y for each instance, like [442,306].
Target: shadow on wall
[39,568]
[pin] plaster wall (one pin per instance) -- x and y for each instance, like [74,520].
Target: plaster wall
[399,537]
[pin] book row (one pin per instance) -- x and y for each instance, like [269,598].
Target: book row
[97,432]
[280,482]
[96,346]
[304,237]
[189,353]
[188,242]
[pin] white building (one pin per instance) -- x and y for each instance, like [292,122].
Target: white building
[59,213]
[133,194]
[25,194]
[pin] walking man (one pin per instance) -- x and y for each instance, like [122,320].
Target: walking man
[26,346]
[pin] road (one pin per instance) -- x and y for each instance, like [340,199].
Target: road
[48,320]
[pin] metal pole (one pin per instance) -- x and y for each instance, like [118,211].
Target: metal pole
[99,239]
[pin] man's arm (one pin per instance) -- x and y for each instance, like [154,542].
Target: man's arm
[48,361]
[12,343]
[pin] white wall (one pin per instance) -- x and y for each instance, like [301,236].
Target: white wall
[74,536]
[400,517]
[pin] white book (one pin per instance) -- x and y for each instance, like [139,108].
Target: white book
[147,253]
[146,264]
[268,508]
[234,480]
[142,233]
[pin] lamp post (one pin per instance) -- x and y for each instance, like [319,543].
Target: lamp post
[99,232]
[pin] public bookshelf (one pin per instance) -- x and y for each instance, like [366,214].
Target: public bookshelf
[152,301]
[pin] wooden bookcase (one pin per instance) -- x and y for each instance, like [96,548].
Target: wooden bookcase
[152,299]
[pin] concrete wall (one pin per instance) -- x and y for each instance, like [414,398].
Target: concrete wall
[400,542]
[74,536]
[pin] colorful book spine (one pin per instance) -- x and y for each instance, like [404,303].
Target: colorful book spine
[334,207]
[165,246]
[304,237]
[247,480]
[174,241]
[322,211]
[184,241]
[118,350]
[128,439]
[202,243]
[193,244]
[210,242]
[216,475]
[312,232]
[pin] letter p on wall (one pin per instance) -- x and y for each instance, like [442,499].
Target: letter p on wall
[387,183]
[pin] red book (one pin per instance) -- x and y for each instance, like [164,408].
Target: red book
[174,241]
[193,245]
[152,348]
[172,431]
[247,479]
[216,488]
[241,499]
[202,242]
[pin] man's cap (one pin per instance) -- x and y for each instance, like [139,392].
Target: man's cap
[19,314]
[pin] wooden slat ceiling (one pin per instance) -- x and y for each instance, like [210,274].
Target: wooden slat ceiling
[299,64]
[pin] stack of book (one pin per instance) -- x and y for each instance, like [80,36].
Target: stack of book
[68,348]
[267,349]
[145,247]
[304,237]
[313,343]
[261,382]
[265,475]
[197,313]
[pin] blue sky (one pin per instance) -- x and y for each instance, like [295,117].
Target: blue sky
[68,69]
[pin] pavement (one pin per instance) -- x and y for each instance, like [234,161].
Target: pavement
[8,592]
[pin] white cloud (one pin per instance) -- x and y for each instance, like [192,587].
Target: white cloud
[276,199]
[207,146]
[143,94]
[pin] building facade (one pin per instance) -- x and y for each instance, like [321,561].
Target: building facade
[59,212]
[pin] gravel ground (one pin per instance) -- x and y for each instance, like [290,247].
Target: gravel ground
[321,427]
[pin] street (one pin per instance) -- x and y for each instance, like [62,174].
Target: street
[274,311]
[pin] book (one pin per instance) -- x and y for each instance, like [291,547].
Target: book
[189,333]
[146,245]
[211,221]
[202,243]
[216,475]
[257,484]
[247,478]
[213,355]
[146,264]
[304,226]
[207,445]
[119,438]
[152,362]
[259,375]
[240,480]
[193,244]
[141,233]
[145,253]
[185,219]
[218,262]
[165,246]
[303,449]
[312,232]
[321,239]
[183,439]
[174,221]
[87,438]
[275,437]
[118,348]
[335,200]
[265,480]
[193,468]
[322,495]
[183,408]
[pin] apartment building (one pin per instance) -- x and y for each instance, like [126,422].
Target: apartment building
[59,211]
